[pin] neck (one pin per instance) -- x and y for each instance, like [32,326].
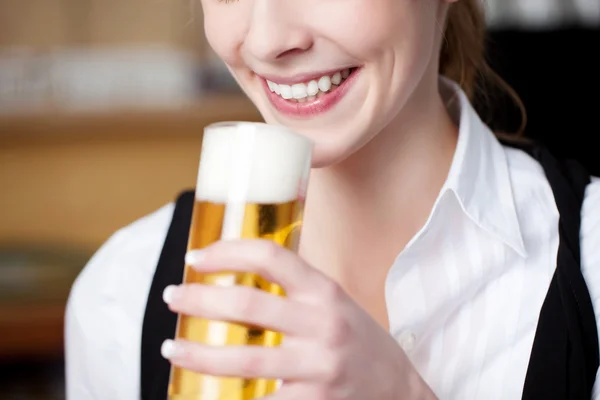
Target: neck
[385,190]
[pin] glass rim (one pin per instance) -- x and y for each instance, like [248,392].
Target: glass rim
[262,125]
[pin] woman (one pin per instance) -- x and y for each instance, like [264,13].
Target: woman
[428,250]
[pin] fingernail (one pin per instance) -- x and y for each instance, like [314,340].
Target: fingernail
[194,257]
[171,293]
[170,349]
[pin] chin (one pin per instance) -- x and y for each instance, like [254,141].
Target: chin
[326,156]
[332,143]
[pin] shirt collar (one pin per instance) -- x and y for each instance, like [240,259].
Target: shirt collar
[479,175]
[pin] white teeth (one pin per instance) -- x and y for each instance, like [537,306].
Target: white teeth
[336,79]
[325,83]
[308,91]
[299,91]
[286,92]
[312,88]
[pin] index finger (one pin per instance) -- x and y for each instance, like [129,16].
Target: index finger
[263,257]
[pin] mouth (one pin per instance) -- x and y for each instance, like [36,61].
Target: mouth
[310,96]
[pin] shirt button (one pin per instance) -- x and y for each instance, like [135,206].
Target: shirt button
[406,340]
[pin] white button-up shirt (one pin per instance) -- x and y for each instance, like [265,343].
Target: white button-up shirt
[463,296]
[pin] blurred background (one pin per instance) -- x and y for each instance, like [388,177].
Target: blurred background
[102,105]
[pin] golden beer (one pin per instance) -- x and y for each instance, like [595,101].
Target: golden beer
[251,184]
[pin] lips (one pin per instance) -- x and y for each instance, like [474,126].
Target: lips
[313,96]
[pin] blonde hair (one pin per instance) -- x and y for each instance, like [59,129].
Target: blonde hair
[462,57]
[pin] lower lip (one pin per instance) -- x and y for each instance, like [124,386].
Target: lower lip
[310,108]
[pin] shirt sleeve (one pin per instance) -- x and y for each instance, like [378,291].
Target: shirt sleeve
[590,254]
[87,332]
[105,312]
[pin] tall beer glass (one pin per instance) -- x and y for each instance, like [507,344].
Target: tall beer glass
[251,184]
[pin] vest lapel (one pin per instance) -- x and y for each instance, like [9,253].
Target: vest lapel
[564,357]
[159,322]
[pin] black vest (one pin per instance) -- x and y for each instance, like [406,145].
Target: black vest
[564,358]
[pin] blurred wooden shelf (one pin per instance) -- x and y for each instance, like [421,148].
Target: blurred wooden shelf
[207,110]
[73,179]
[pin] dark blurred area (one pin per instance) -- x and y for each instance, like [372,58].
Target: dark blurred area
[555,72]
[102,105]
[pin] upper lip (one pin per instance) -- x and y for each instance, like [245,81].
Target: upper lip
[300,78]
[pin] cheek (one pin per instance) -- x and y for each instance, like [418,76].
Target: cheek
[368,28]
[225,29]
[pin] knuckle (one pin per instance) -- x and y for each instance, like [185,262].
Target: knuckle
[243,303]
[269,253]
[269,250]
[332,370]
[339,330]
[332,291]
[252,365]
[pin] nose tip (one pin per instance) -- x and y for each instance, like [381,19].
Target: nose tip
[269,46]
[275,34]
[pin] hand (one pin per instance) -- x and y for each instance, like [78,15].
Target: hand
[332,348]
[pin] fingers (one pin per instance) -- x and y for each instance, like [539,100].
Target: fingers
[294,363]
[263,257]
[245,305]
[302,316]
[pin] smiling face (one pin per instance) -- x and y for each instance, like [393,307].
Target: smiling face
[336,71]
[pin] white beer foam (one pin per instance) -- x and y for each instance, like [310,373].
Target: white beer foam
[252,163]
